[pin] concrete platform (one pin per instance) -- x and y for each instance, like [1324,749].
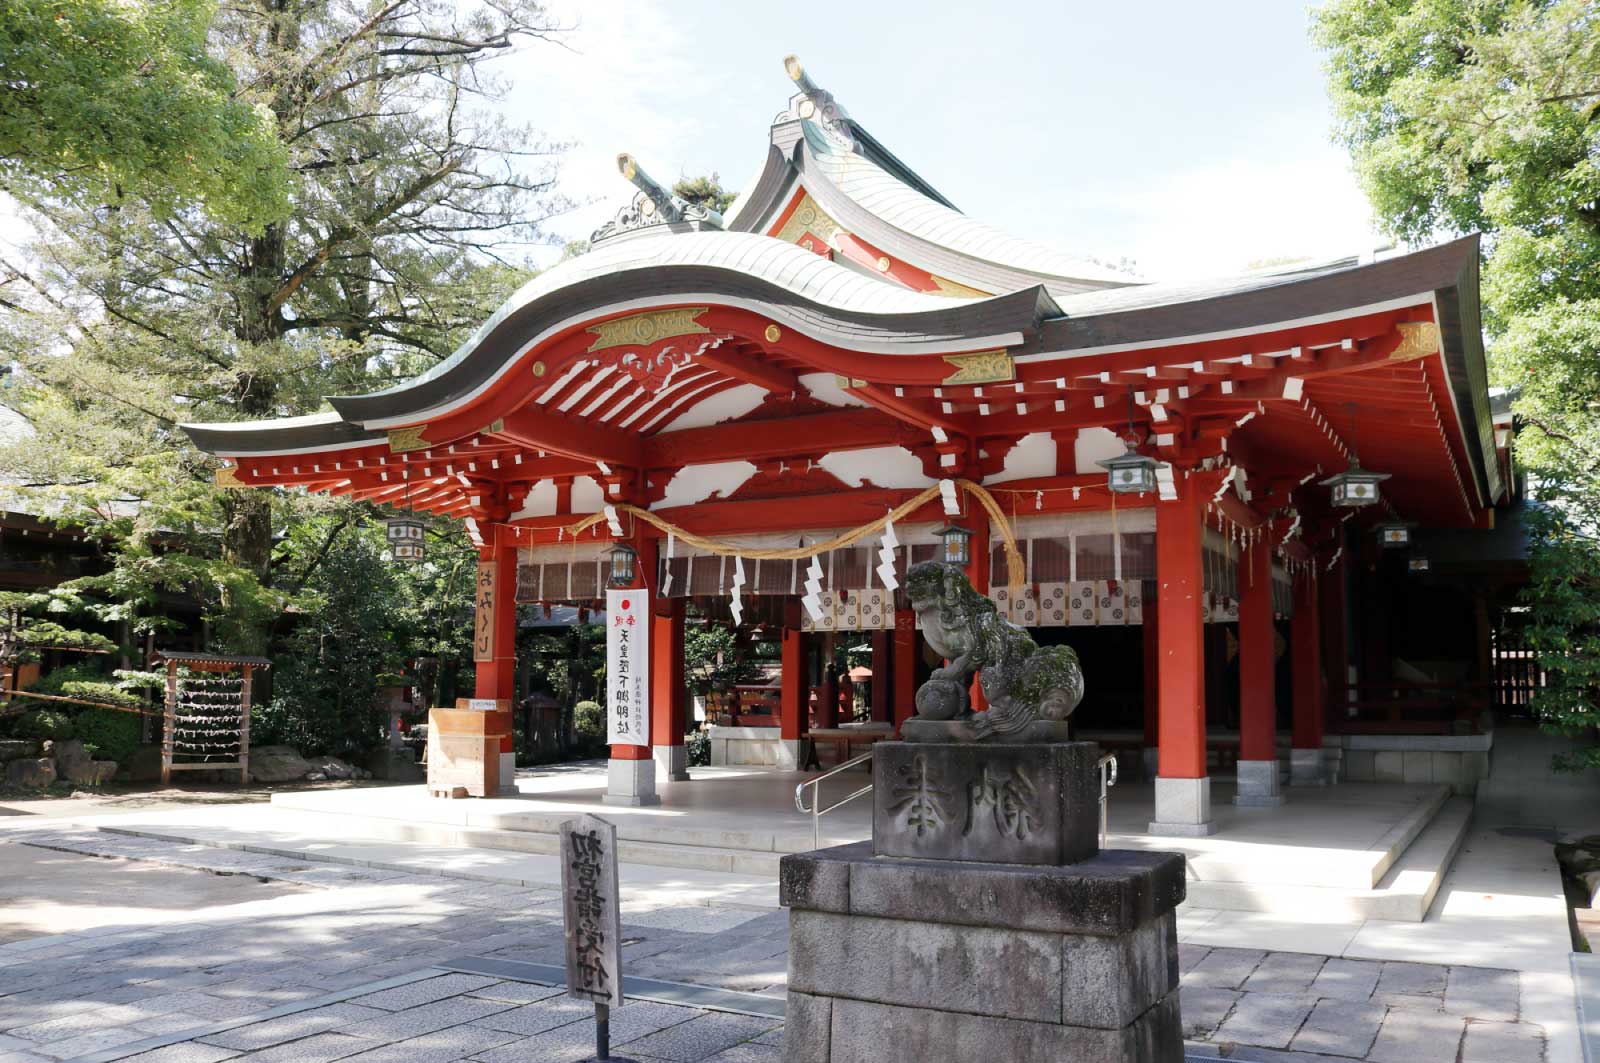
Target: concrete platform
[1368,851]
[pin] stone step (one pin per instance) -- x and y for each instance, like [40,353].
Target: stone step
[537,834]
[1404,894]
[792,837]
[1359,868]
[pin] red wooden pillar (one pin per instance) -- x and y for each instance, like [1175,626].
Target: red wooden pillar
[978,576]
[1183,790]
[1305,648]
[879,696]
[905,666]
[668,696]
[827,686]
[1258,709]
[496,677]
[794,688]
[631,773]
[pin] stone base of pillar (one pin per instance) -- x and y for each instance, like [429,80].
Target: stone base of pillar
[672,762]
[1076,962]
[1151,756]
[1183,808]
[1307,767]
[1332,761]
[631,783]
[789,754]
[1259,786]
[508,773]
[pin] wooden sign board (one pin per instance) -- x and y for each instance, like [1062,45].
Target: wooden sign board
[592,911]
[483,613]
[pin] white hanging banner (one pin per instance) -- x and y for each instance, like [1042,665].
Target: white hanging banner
[812,599]
[736,606]
[886,557]
[628,667]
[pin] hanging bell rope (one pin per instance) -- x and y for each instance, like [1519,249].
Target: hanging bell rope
[1014,563]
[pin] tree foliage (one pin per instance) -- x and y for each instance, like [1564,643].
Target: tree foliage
[704,190]
[408,200]
[1484,115]
[105,101]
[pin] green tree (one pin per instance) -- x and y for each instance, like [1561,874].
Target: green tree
[344,639]
[704,190]
[106,101]
[1484,115]
[131,315]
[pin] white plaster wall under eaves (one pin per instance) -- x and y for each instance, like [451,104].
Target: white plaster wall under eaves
[1095,445]
[587,495]
[1034,455]
[540,501]
[884,466]
[723,406]
[824,387]
[696,483]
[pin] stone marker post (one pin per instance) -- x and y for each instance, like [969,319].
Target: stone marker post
[983,922]
[593,921]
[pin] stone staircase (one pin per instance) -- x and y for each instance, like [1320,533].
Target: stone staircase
[1395,878]
[1404,875]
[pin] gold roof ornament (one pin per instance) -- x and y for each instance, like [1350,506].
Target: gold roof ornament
[643,329]
[1418,339]
[981,367]
[405,440]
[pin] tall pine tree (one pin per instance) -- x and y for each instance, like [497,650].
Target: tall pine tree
[407,199]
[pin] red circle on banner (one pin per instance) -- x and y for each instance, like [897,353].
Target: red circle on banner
[625,603]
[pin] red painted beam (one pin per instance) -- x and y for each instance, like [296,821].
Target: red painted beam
[535,427]
[749,370]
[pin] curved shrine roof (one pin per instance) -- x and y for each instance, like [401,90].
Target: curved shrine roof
[935,364]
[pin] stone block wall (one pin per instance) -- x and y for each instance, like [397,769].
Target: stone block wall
[756,746]
[894,960]
[1461,769]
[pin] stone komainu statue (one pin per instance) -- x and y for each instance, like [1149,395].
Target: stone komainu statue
[1021,681]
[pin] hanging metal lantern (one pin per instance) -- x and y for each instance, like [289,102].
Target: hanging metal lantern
[1355,486]
[1130,473]
[624,563]
[1394,536]
[404,535]
[957,545]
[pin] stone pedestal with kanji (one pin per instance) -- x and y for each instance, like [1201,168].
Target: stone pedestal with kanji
[982,922]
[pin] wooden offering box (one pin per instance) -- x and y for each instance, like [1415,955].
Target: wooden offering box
[464,750]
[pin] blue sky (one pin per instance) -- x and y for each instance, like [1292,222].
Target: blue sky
[1191,137]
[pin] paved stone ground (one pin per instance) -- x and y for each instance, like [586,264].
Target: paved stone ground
[324,945]
[1285,1006]
[72,995]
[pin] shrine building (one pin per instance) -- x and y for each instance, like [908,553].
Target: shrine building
[1263,508]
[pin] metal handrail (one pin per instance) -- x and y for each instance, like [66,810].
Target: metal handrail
[1107,766]
[816,811]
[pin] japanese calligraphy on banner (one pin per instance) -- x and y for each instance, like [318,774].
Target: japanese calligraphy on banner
[627,668]
[592,916]
[483,617]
